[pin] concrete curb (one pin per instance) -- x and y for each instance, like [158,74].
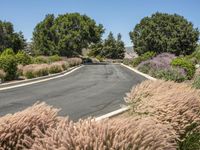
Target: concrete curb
[38,80]
[138,72]
[112,114]
[124,109]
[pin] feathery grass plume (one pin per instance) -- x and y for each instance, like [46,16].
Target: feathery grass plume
[63,64]
[118,134]
[16,128]
[20,70]
[35,70]
[172,103]
[74,61]
[2,74]
[55,68]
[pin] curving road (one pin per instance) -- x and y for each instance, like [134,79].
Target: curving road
[92,90]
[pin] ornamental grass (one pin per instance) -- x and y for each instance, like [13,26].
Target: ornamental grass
[17,128]
[175,104]
[39,128]
[118,134]
[2,74]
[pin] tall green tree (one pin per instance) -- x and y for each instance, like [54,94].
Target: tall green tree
[165,33]
[120,47]
[44,37]
[109,48]
[66,35]
[9,38]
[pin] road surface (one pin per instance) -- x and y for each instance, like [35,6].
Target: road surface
[92,90]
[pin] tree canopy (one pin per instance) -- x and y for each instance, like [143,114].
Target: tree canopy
[109,48]
[9,38]
[65,35]
[165,33]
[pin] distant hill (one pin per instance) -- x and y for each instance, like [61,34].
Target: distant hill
[130,52]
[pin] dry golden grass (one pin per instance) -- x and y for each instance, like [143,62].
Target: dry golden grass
[16,128]
[40,128]
[118,134]
[2,74]
[163,110]
[176,104]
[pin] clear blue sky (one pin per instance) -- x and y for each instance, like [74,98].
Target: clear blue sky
[118,16]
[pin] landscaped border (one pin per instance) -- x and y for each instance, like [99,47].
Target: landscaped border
[15,84]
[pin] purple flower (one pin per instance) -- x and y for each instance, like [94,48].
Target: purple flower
[161,61]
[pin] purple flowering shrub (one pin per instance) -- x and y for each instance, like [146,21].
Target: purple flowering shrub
[159,67]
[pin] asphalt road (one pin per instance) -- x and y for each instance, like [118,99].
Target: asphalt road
[92,90]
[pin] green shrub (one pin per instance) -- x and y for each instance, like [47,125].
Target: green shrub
[29,74]
[190,139]
[55,58]
[191,142]
[41,72]
[187,65]
[196,82]
[99,58]
[9,64]
[172,74]
[127,61]
[8,51]
[145,69]
[23,58]
[40,60]
[55,69]
[143,57]
[168,74]
[194,57]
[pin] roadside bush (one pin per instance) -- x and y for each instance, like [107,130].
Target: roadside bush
[118,134]
[74,61]
[9,64]
[196,82]
[42,70]
[2,74]
[159,67]
[190,139]
[35,70]
[63,64]
[148,55]
[171,74]
[40,60]
[8,51]
[20,70]
[188,66]
[39,127]
[127,61]
[176,104]
[23,58]
[17,128]
[195,56]
[99,58]
[55,68]
[54,58]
